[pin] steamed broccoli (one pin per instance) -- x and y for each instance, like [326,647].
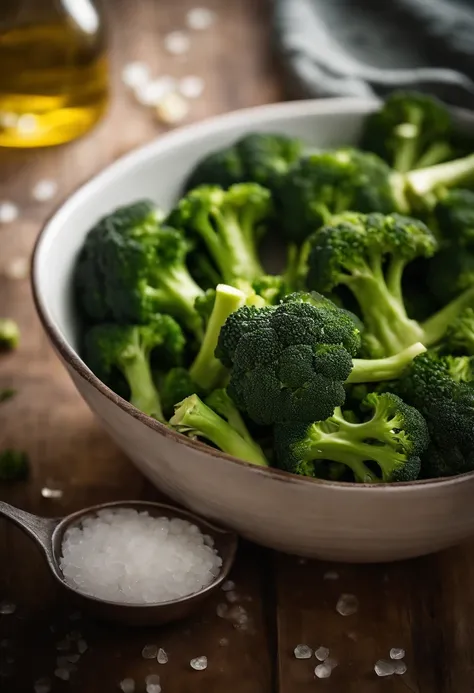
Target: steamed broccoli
[258,158]
[196,419]
[289,363]
[411,130]
[393,439]
[9,334]
[127,349]
[229,223]
[131,267]
[14,465]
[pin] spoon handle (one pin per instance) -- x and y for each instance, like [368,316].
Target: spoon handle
[38,528]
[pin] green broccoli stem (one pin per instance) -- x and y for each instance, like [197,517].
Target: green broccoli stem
[177,296]
[435,154]
[437,325]
[143,394]
[194,417]
[389,368]
[424,181]
[408,141]
[221,403]
[206,370]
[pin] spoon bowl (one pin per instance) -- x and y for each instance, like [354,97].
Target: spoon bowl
[49,533]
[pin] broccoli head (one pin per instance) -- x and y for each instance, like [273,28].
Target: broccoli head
[229,223]
[127,349]
[411,130]
[131,267]
[9,334]
[196,419]
[391,441]
[328,183]
[14,465]
[257,157]
[289,363]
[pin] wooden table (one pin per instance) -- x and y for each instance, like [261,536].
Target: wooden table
[425,606]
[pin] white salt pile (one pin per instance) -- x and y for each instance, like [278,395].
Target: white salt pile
[130,557]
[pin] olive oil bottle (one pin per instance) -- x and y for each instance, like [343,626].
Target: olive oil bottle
[53,71]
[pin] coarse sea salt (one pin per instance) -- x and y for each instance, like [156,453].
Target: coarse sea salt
[130,557]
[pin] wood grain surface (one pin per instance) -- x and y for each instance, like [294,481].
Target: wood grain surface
[425,606]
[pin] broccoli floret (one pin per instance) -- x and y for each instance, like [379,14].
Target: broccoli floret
[9,334]
[459,338]
[425,186]
[271,288]
[175,386]
[454,215]
[14,465]
[393,439]
[127,349]
[229,223]
[196,419]
[131,267]
[289,363]
[328,183]
[411,130]
[259,158]
[447,405]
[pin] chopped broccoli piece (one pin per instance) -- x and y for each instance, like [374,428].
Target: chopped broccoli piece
[229,223]
[289,363]
[14,465]
[128,349]
[131,267]
[197,419]
[393,439]
[9,334]
[411,130]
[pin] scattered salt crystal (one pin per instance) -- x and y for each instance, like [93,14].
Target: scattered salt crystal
[199,663]
[135,75]
[127,686]
[222,610]
[42,685]
[18,268]
[130,557]
[152,93]
[397,653]
[323,671]
[331,575]
[228,586]
[191,87]
[7,608]
[400,668]
[176,43]
[63,645]
[153,688]
[172,109]
[150,652]
[26,124]
[384,667]
[152,680]
[82,646]
[47,492]
[223,642]
[44,190]
[62,674]
[303,652]
[347,605]
[8,212]
[73,658]
[200,18]
[162,657]
[232,597]
[322,653]
[331,662]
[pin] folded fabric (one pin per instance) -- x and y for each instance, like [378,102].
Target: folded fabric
[370,47]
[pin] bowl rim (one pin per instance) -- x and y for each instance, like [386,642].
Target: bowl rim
[268,113]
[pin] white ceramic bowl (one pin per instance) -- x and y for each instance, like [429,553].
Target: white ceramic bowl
[298,515]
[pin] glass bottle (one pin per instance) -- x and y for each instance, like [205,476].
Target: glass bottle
[53,71]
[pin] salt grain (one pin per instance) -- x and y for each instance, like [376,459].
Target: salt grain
[200,18]
[152,680]
[152,93]
[303,652]
[321,653]
[176,43]
[130,557]
[18,269]
[331,575]
[172,109]
[384,667]
[323,671]
[400,668]
[191,87]
[199,663]
[62,674]
[8,212]
[150,652]
[162,657]
[397,653]
[347,605]
[232,597]
[153,688]
[42,685]
[7,608]
[44,190]
[222,610]
[331,662]
[127,686]
[54,493]
[228,586]
[135,75]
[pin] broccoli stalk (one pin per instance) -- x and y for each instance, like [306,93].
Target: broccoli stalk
[195,418]
[394,438]
[9,334]
[422,185]
[438,324]
[375,370]
[206,370]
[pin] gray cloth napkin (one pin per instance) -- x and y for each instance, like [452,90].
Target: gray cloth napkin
[370,47]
